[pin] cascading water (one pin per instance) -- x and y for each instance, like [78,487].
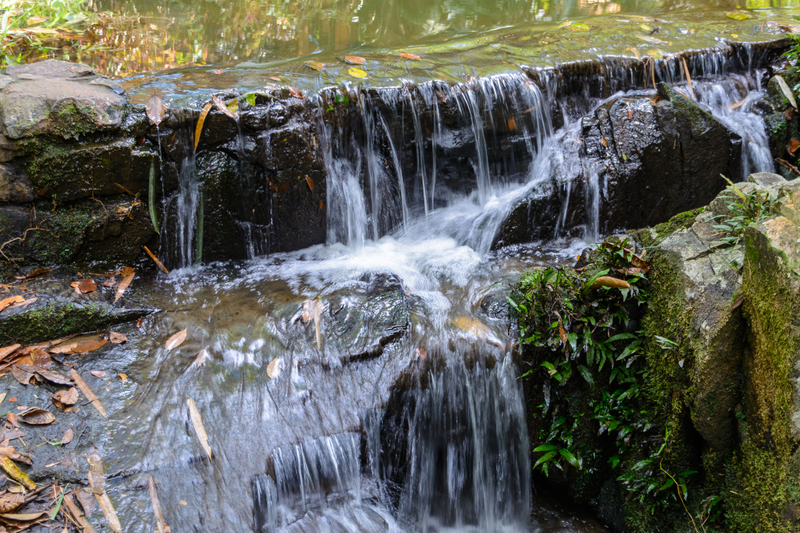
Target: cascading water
[407,416]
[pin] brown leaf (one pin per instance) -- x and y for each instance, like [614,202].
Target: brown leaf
[158,263]
[16,474]
[54,377]
[421,353]
[87,501]
[117,338]
[123,377]
[66,397]
[33,273]
[274,368]
[160,524]
[127,276]
[562,334]
[220,105]
[83,286]
[321,204]
[310,183]
[8,350]
[355,60]
[37,417]
[406,55]
[21,374]
[789,113]
[80,345]
[604,142]
[200,121]
[98,373]
[88,393]
[110,282]
[793,145]
[312,309]
[201,357]
[11,300]
[67,438]
[24,303]
[41,359]
[197,423]
[316,65]
[295,92]
[155,110]
[11,418]
[10,502]
[273,78]
[176,340]
[76,514]
[608,281]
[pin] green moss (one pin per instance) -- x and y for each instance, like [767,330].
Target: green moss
[649,237]
[73,121]
[62,234]
[57,320]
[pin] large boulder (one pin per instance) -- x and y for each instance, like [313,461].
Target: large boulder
[634,162]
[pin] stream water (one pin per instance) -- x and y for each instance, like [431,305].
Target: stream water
[399,410]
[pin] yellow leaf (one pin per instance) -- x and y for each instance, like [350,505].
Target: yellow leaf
[200,121]
[197,423]
[738,16]
[224,108]
[356,72]
[15,473]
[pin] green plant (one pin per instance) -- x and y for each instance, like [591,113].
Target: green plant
[744,210]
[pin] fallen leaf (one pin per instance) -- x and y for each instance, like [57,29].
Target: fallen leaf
[273,78]
[110,282]
[105,505]
[65,397]
[11,418]
[312,310]
[200,121]
[84,388]
[41,359]
[608,281]
[10,502]
[738,16]
[54,377]
[123,377]
[80,345]
[688,77]
[127,276]
[183,502]
[579,26]
[274,368]
[355,60]
[652,40]
[176,340]
[16,474]
[310,183]
[406,55]
[117,338]
[23,303]
[562,334]
[76,513]
[471,326]
[24,517]
[33,273]
[421,353]
[8,350]
[793,145]
[201,357]
[357,72]
[3,396]
[321,204]
[98,373]
[224,108]
[11,300]
[158,263]
[295,92]
[160,524]
[87,501]
[84,285]
[787,92]
[197,423]
[316,65]
[37,417]
[155,110]
[604,142]
[21,374]
[67,438]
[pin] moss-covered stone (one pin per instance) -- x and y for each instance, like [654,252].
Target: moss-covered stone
[652,236]
[59,319]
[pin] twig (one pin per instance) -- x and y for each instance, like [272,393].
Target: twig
[790,167]
[155,259]
[680,497]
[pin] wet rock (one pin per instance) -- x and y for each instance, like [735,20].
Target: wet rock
[15,186]
[637,163]
[64,99]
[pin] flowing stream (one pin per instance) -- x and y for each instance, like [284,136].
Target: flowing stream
[399,410]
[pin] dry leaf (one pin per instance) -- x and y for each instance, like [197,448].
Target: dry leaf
[295,92]
[16,474]
[310,183]
[608,281]
[220,105]
[110,282]
[21,374]
[117,338]
[155,110]
[197,423]
[123,377]
[54,377]
[98,373]
[88,393]
[793,145]
[108,510]
[312,309]
[176,340]
[24,303]
[84,285]
[11,300]
[8,350]
[200,121]
[273,78]
[10,502]
[67,438]
[41,359]
[160,524]
[355,60]
[79,345]
[316,65]
[87,501]
[787,92]
[127,276]
[688,77]
[76,513]
[37,417]
[405,55]
[274,368]
[65,397]
[421,353]
[3,396]
[201,357]
[33,273]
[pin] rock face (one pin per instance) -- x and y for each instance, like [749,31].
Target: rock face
[633,163]
[724,397]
